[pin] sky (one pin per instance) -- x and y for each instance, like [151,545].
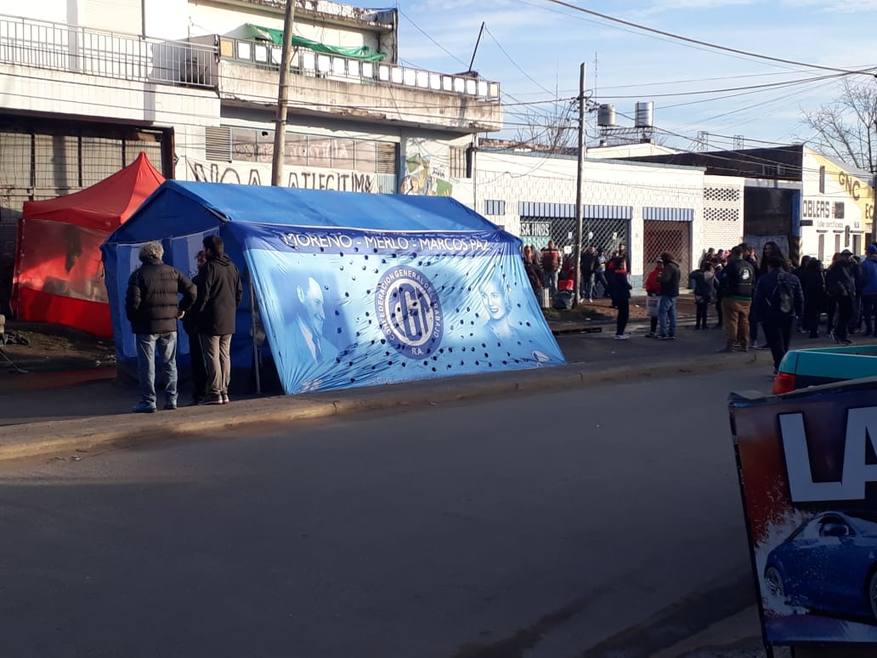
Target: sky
[548,42]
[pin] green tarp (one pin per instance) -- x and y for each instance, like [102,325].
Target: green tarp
[364,53]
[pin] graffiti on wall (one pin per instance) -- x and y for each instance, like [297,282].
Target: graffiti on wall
[426,169]
[309,179]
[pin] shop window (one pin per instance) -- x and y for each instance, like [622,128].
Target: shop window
[296,150]
[343,154]
[365,154]
[243,144]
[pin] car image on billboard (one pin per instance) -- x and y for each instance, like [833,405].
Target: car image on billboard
[828,566]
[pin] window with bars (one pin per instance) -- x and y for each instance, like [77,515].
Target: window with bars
[458,164]
[255,145]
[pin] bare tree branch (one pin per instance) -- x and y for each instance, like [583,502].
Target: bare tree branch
[847,127]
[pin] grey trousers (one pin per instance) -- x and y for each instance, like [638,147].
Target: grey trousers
[217,361]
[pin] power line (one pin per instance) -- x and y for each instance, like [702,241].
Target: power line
[516,65]
[424,33]
[699,42]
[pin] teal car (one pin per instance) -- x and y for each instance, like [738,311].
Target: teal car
[824,365]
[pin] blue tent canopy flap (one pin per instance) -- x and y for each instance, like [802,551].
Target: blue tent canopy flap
[352,289]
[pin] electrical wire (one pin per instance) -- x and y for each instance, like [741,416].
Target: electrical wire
[699,42]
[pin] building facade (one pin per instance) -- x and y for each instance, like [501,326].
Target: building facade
[650,208]
[88,84]
[808,203]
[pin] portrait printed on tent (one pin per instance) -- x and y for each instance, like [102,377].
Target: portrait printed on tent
[365,309]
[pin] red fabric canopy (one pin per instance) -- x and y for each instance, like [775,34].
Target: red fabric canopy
[104,205]
[58,271]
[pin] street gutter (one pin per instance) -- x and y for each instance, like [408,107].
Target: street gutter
[89,433]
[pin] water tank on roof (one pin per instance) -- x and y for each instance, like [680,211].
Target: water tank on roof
[645,115]
[606,116]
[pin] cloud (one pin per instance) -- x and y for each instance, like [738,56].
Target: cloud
[833,6]
[666,6]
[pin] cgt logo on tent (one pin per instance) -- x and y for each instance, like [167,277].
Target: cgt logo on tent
[409,312]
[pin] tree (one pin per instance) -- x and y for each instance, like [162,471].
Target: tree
[847,127]
[549,131]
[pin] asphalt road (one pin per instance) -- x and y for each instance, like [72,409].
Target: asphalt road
[529,527]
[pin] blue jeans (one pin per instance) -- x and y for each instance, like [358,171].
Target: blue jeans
[667,315]
[157,350]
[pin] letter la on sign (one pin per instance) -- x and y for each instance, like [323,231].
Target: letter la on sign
[861,427]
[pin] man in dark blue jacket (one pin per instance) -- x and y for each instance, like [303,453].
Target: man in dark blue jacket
[778,299]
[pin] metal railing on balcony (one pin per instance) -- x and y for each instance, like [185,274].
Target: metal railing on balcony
[60,47]
[309,62]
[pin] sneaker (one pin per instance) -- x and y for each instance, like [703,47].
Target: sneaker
[651,334]
[666,337]
[213,399]
[225,399]
[170,406]
[622,336]
[144,408]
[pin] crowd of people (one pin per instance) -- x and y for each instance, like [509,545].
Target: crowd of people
[749,293]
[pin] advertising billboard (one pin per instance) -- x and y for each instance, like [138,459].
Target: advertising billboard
[807,463]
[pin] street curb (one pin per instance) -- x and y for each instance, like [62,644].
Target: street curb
[85,434]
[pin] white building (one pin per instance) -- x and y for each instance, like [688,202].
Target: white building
[88,84]
[809,204]
[650,208]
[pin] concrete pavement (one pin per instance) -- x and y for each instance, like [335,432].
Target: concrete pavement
[540,525]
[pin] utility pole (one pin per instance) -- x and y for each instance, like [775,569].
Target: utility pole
[282,95]
[579,171]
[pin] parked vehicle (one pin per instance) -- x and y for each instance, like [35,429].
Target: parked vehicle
[824,365]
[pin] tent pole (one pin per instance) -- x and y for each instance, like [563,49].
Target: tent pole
[253,334]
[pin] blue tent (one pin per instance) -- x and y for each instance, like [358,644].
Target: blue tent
[351,289]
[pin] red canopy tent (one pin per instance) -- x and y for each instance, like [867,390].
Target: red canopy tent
[58,272]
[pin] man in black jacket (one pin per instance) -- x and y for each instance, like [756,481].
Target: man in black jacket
[737,286]
[219,295]
[153,308]
[669,292]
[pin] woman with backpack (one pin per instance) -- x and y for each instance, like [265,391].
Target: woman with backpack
[778,299]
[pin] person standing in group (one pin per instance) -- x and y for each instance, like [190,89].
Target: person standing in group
[550,267]
[705,288]
[153,306]
[719,273]
[653,292]
[869,291]
[531,267]
[669,292]
[621,296]
[840,283]
[738,284]
[708,257]
[588,264]
[600,272]
[219,295]
[813,282]
[778,300]
[196,355]
[856,317]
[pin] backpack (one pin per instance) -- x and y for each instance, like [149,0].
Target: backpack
[781,299]
[563,300]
